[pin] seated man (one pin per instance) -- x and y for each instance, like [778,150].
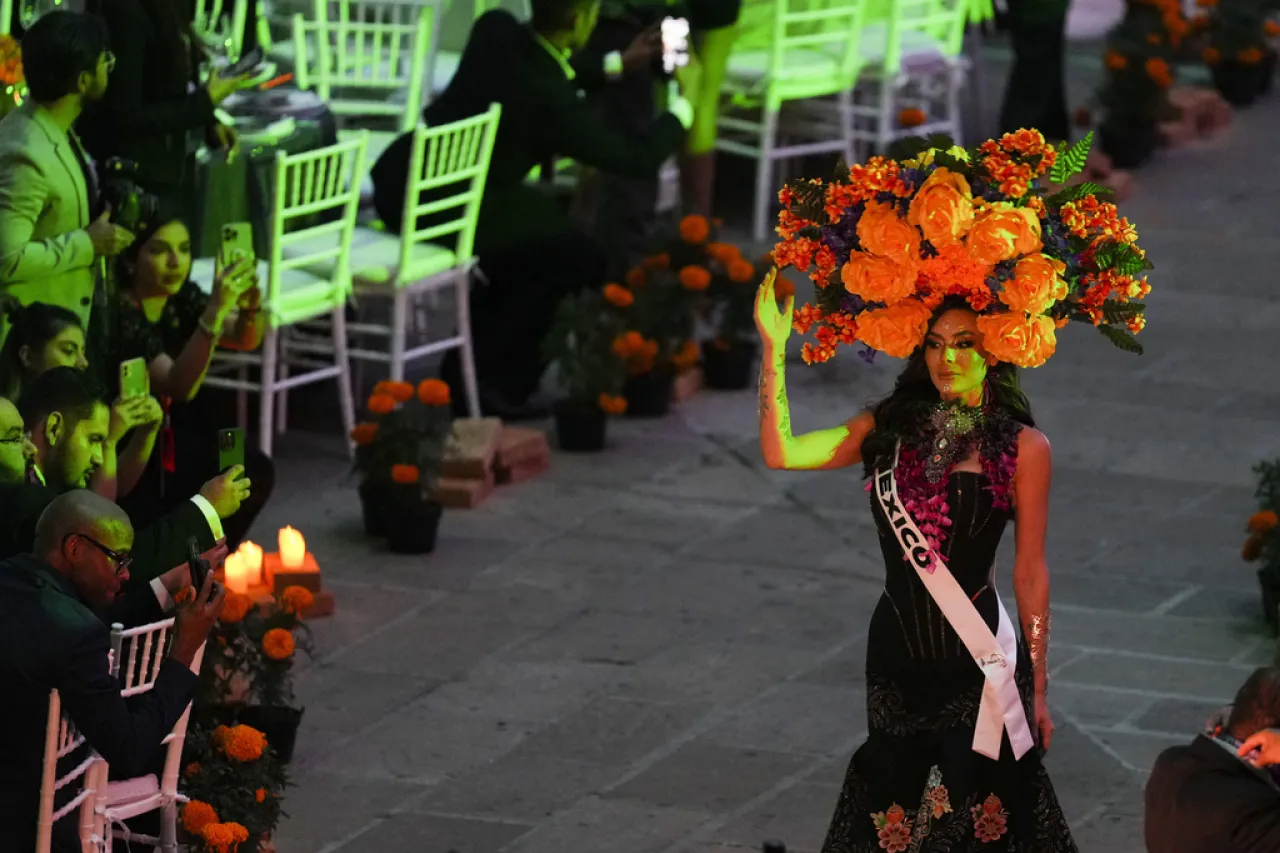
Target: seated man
[528,252]
[64,414]
[1214,795]
[51,638]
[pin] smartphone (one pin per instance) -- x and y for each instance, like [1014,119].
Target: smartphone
[237,243]
[675,44]
[134,380]
[247,63]
[230,448]
[198,565]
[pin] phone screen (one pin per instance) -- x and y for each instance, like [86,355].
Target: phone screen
[230,448]
[237,243]
[199,566]
[675,44]
[134,380]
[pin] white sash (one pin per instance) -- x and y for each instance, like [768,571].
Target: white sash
[996,654]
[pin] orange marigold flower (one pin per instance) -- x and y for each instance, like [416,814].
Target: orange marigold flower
[1271,28]
[636,277]
[804,317]
[1252,549]
[242,743]
[405,474]
[224,837]
[191,769]
[618,295]
[433,392]
[1137,323]
[628,344]
[197,814]
[912,117]
[695,229]
[1263,522]
[612,404]
[296,599]
[1250,56]
[725,253]
[662,260]
[260,795]
[1158,70]
[235,607]
[365,433]
[381,404]
[742,271]
[695,278]
[782,287]
[1211,55]
[1115,61]
[278,644]
[401,392]
[687,356]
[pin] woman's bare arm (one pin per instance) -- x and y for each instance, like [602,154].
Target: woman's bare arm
[824,449]
[1030,570]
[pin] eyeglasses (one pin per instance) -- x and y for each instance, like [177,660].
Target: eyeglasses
[15,439]
[122,561]
[111,62]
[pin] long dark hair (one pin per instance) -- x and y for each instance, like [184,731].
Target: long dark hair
[901,414]
[177,49]
[31,326]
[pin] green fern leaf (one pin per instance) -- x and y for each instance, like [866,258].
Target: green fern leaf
[1076,192]
[1071,162]
[1121,312]
[1122,339]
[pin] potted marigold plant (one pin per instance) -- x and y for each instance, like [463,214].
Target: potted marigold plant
[1236,47]
[728,357]
[13,85]
[399,453]
[580,345]
[1263,542]
[233,782]
[248,673]
[1134,97]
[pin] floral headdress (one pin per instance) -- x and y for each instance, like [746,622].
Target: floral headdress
[890,240]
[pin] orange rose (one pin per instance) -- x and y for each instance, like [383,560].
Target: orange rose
[878,279]
[364,434]
[612,404]
[1014,337]
[433,392]
[1002,232]
[196,815]
[381,404]
[942,208]
[742,271]
[618,296]
[695,229]
[695,278]
[897,330]
[278,644]
[401,392]
[883,232]
[1037,283]
[1262,522]
[404,474]
[235,607]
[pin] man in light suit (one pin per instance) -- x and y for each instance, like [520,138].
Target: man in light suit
[49,239]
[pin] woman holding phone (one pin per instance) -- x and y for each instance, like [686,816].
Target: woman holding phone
[47,336]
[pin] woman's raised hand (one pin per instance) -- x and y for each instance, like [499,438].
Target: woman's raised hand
[233,281]
[773,323]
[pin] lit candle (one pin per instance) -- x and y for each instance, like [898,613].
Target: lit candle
[293,549]
[251,556]
[236,573]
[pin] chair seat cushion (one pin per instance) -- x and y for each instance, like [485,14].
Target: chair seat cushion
[375,259]
[128,790]
[748,68]
[917,47]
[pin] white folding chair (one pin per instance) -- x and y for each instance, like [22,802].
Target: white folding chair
[142,650]
[322,184]
[451,163]
[6,16]
[813,52]
[219,22]
[63,741]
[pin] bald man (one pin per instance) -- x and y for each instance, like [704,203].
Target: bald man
[51,637]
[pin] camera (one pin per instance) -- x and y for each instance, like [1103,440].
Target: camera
[131,206]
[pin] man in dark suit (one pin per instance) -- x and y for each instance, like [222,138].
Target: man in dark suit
[1215,795]
[529,253]
[51,638]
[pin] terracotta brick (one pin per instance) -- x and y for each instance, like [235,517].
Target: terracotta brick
[471,449]
[1176,134]
[519,443]
[524,470]
[686,385]
[307,577]
[324,605]
[463,494]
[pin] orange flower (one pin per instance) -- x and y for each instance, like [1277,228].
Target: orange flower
[241,743]
[433,392]
[1153,38]
[618,296]
[942,208]
[1271,28]
[881,231]
[782,287]
[1013,337]
[1115,61]
[260,795]
[695,229]
[1252,549]
[224,837]
[612,404]
[401,392]
[897,330]
[405,475]
[191,770]
[235,607]
[1210,55]
[1037,283]
[1263,522]
[725,253]
[196,815]
[1158,70]
[636,278]
[296,599]
[1002,232]
[695,278]
[741,271]
[687,356]
[878,279]
[912,117]
[662,260]
[278,644]
[1252,56]
[364,434]
[381,404]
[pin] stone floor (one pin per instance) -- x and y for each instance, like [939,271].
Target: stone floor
[659,649]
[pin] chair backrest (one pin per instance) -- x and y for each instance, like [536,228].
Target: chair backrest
[216,20]
[316,198]
[449,164]
[6,16]
[805,29]
[941,20]
[62,740]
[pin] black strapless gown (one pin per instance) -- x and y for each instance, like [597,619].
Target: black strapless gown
[916,785]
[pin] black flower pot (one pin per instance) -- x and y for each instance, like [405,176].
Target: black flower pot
[412,525]
[727,369]
[279,725]
[649,394]
[1241,84]
[1130,146]
[580,426]
[372,508]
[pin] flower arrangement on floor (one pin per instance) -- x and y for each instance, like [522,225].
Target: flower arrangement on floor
[1134,97]
[233,781]
[729,355]
[1235,46]
[1263,542]
[580,345]
[399,454]
[888,241]
[13,87]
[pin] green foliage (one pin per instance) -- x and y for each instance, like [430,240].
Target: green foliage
[1268,495]
[231,787]
[412,433]
[1123,258]
[664,311]
[809,199]
[580,345]
[1071,162]
[236,668]
[1114,311]
[1236,27]
[1121,338]
[1078,191]
[1130,97]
